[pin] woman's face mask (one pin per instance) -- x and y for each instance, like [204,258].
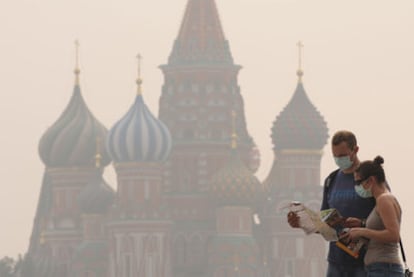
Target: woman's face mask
[361,191]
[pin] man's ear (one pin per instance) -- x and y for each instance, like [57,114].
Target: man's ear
[356,148]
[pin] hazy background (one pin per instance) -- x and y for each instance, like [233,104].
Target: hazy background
[358,63]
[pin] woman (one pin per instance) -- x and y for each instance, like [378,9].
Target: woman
[383,223]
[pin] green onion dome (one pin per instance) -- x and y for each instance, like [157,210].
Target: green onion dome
[72,140]
[235,183]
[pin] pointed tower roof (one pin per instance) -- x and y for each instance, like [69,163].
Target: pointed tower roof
[299,125]
[201,38]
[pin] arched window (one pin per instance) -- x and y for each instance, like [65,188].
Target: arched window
[89,274]
[127,258]
[196,250]
[188,134]
[152,257]
[290,268]
[180,251]
[64,255]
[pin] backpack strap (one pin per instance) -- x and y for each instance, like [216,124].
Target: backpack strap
[326,188]
[330,178]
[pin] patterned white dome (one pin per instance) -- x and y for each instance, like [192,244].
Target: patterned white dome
[139,136]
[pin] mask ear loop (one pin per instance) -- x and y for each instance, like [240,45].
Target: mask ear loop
[368,178]
[366,182]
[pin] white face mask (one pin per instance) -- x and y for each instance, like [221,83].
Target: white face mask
[362,192]
[343,162]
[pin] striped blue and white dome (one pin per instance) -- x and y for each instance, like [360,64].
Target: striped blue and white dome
[139,136]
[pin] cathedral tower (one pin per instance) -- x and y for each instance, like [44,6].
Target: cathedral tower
[199,92]
[233,251]
[95,200]
[67,149]
[299,134]
[139,227]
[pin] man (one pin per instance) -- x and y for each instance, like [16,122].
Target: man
[339,193]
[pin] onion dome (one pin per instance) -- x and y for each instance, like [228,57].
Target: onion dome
[299,125]
[235,183]
[97,196]
[139,136]
[71,140]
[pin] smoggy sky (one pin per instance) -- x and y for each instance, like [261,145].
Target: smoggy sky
[358,61]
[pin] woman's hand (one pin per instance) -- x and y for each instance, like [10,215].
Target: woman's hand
[355,233]
[352,222]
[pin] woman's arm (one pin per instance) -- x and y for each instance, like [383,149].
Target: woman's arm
[389,211]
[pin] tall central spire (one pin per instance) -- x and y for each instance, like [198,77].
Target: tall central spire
[201,37]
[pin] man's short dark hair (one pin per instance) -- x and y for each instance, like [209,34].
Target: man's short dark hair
[347,136]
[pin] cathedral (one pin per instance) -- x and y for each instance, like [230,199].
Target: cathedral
[186,202]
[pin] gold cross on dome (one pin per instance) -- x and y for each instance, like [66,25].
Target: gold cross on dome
[300,48]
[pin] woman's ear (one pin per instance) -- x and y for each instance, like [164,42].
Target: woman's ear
[369,180]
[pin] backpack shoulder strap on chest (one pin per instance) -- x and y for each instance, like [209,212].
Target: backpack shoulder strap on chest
[330,178]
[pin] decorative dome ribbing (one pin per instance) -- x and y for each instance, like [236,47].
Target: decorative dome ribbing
[299,125]
[139,136]
[71,140]
[235,183]
[97,196]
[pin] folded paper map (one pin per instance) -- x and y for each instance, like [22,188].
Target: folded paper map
[329,224]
